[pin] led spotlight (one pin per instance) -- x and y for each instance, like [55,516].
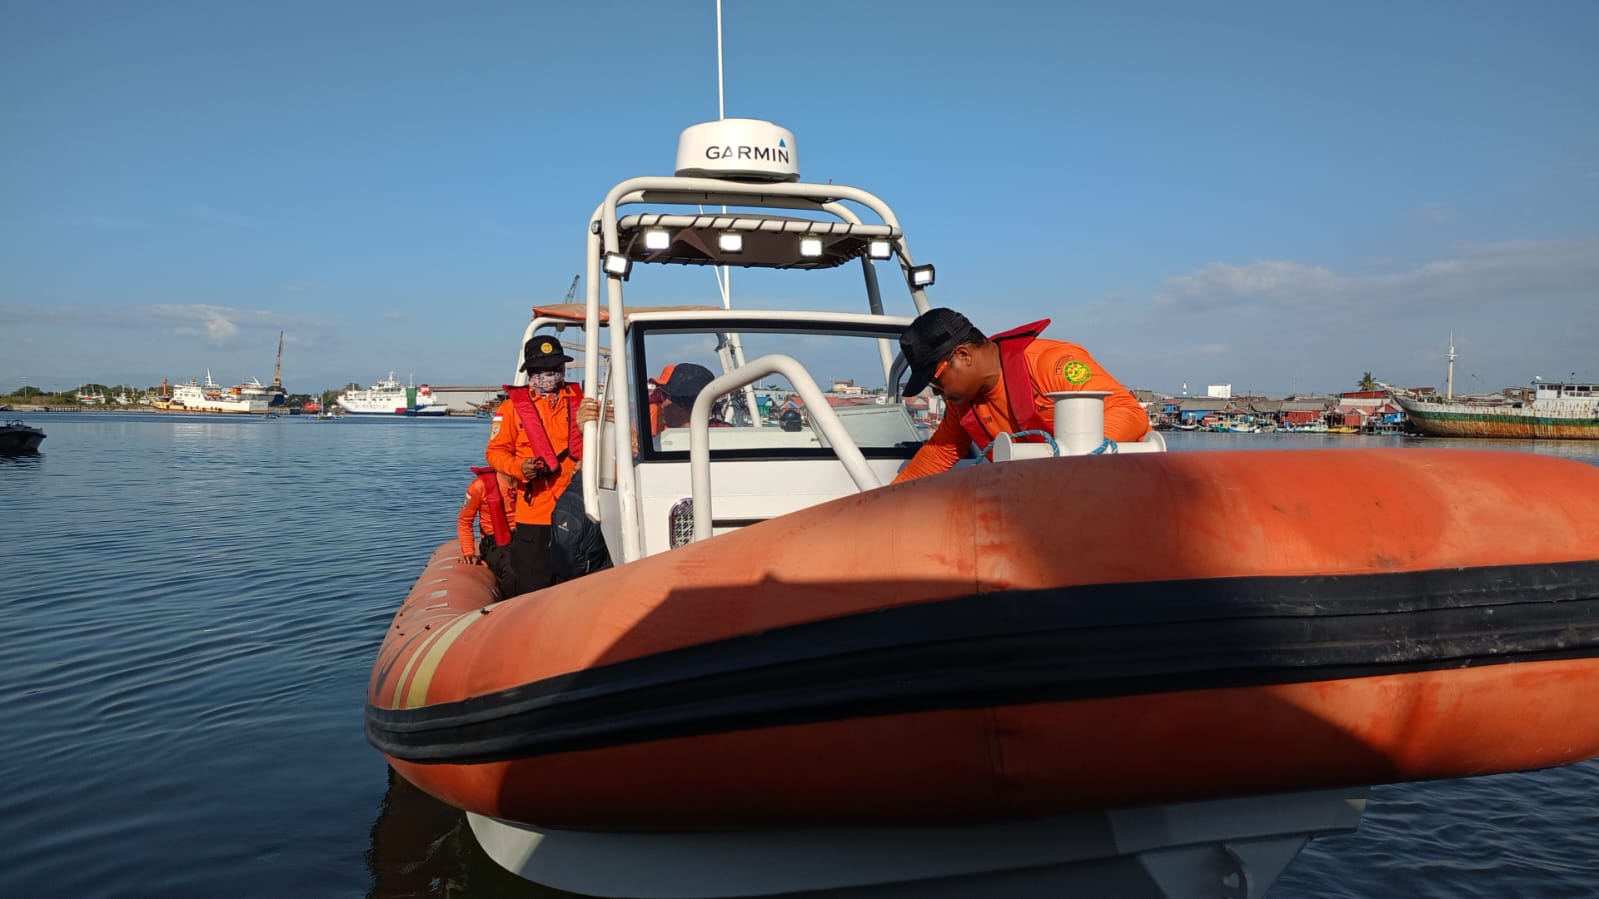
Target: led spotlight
[730,242]
[922,276]
[657,239]
[879,249]
[810,246]
[617,265]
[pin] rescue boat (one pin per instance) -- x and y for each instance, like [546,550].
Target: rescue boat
[1067,663]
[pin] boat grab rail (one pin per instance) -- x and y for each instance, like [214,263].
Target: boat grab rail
[822,416]
[603,238]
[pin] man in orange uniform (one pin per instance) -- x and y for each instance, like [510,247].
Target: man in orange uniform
[672,403]
[490,498]
[536,440]
[997,385]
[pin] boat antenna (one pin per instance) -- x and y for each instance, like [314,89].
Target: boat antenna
[723,273]
[721,101]
[730,343]
[277,370]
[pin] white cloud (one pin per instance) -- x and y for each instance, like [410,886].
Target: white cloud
[1219,285]
[1530,306]
[1431,214]
[1502,272]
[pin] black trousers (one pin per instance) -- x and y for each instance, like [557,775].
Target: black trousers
[530,559]
[498,558]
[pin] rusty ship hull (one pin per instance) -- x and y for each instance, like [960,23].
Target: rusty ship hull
[1442,418]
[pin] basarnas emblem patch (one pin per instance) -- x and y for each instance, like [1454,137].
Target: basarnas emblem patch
[546,347]
[495,431]
[1076,372]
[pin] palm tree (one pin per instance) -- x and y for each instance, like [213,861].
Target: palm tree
[1367,382]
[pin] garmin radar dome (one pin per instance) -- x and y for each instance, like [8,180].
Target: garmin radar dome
[742,149]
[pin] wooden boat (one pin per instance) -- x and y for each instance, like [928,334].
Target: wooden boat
[1062,670]
[1547,410]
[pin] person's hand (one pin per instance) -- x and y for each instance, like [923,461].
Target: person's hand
[471,559]
[533,469]
[587,411]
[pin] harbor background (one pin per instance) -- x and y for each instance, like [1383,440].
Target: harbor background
[195,603]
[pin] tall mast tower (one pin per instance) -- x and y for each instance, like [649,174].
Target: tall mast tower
[1449,381]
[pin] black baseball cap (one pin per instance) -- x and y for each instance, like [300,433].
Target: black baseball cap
[928,340]
[686,382]
[542,351]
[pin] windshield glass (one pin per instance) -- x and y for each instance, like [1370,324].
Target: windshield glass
[771,418]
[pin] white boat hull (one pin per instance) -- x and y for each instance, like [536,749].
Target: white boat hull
[1232,847]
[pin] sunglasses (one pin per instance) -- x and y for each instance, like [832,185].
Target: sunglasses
[938,372]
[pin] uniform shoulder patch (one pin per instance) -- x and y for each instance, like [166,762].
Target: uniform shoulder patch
[494,431]
[1076,372]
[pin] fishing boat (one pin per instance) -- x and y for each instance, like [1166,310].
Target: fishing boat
[1545,410]
[240,399]
[1070,668]
[18,439]
[389,397]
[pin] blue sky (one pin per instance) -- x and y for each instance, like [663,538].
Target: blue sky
[1279,196]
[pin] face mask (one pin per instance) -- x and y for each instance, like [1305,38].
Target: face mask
[546,381]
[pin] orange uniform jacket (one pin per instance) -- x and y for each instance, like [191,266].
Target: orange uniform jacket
[1054,365]
[477,504]
[509,447]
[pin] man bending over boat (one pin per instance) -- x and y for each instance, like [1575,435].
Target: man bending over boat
[997,385]
[537,440]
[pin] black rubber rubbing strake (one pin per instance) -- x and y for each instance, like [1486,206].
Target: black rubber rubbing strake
[1027,646]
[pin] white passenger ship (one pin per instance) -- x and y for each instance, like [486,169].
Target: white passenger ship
[389,397]
[213,397]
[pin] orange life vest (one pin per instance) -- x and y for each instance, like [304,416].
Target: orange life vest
[528,417]
[1018,380]
[496,502]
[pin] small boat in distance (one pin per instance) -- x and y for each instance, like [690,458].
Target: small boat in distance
[389,397]
[18,439]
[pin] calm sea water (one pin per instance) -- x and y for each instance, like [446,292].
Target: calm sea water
[193,605]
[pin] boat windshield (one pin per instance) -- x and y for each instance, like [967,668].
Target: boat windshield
[770,419]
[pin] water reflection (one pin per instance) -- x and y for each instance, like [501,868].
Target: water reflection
[422,847]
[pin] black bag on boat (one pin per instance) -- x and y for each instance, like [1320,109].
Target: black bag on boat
[577,547]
